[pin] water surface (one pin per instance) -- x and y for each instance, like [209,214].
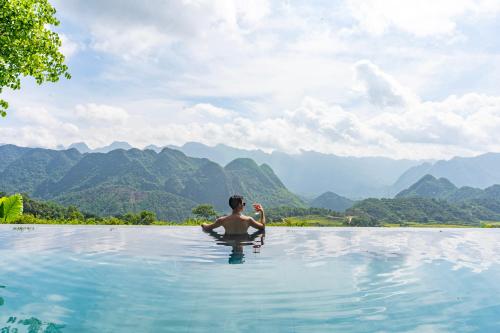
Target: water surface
[179,279]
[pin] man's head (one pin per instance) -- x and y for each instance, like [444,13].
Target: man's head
[236,203]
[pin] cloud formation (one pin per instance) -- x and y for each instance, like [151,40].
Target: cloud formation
[101,114]
[393,78]
[421,18]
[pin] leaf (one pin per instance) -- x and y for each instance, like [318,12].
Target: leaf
[11,207]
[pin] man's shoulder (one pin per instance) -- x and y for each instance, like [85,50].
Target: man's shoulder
[246,218]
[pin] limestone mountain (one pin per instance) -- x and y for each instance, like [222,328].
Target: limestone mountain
[333,201]
[429,187]
[168,183]
[432,187]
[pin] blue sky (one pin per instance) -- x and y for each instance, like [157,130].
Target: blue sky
[406,79]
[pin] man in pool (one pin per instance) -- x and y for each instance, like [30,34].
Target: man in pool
[237,223]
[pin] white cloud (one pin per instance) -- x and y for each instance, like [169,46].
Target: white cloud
[421,18]
[38,127]
[69,47]
[382,89]
[208,111]
[129,42]
[132,29]
[97,114]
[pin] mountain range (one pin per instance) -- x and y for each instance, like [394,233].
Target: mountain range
[442,188]
[308,173]
[168,183]
[479,171]
[312,173]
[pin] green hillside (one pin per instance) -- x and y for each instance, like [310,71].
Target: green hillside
[429,187]
[258,184]
[333,201]
[422,210]
[29,168]
[432,200]
[168,183]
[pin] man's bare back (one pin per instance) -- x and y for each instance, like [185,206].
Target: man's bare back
[237,223]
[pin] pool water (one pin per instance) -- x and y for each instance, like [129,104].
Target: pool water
[180,279]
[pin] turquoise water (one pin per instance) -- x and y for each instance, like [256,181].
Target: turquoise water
[179,279]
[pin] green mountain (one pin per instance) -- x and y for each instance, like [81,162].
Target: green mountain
[29,168]
[168,183]
[433,199]
[429,187]
[9,153]
[333,201]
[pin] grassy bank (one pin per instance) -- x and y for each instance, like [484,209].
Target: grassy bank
[302,221]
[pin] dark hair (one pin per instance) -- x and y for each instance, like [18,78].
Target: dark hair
[235,201]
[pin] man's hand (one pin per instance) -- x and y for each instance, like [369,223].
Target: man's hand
[262,220]
[258,208]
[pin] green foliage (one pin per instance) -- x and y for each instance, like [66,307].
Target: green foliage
[27,46]
[278,214]
[362,220]
[51,210]
[11,207]
[204,211]
[309,221]
[73,213]
[144,217]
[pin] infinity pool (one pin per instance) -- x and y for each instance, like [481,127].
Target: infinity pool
[179,279]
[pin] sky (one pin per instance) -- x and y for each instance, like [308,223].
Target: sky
[396,78]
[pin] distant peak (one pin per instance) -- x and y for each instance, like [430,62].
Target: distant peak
[80,146]
[242,162]
[427,177]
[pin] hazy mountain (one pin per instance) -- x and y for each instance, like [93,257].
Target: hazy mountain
[113,146]
[80,146]
[220,153]
[169,183]
[332,201]
[479,171]
[83,148]
[313,173]
[154,148]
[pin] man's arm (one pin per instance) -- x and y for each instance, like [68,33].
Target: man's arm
[261,224]
[212,226]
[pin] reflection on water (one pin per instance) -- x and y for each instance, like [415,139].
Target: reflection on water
[29,325]
[177,279]
[237,243]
